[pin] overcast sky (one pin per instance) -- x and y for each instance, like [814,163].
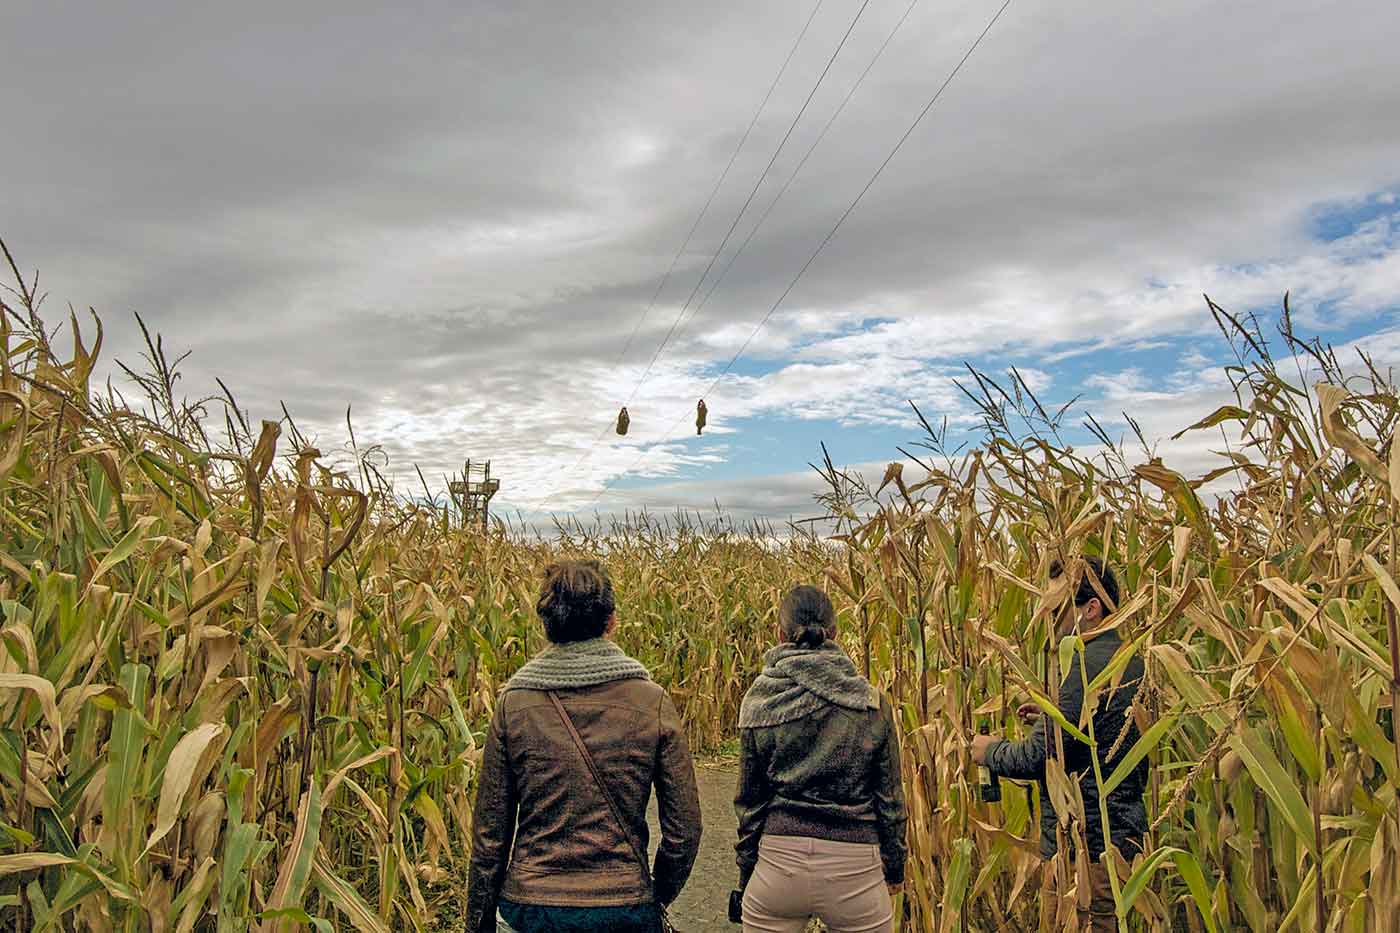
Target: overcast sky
[452,216]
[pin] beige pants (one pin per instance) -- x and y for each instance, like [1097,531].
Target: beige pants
[797,878]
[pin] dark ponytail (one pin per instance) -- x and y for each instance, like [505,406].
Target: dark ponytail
[807,618]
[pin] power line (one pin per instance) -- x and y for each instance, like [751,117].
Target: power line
[719,184]
[749,200]
[737,217]
[704,210]
[868,185]
[810,149]
[827,239]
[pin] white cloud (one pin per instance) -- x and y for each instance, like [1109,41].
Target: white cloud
[461,252]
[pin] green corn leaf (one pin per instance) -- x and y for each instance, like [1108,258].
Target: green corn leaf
[123,548]
[125,752]
[955,889]
[295,872]
[1053,711]
[1190,871]
[1268,772]
[346,899]
[1120,660]
[1139,879]
[1144,745]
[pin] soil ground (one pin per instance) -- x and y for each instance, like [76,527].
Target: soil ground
[704,904]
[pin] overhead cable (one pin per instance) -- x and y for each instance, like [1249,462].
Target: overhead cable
[792,177]
[826,239]
[661,285]
[749,200]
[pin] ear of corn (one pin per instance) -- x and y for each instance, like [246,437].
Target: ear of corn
[236,694]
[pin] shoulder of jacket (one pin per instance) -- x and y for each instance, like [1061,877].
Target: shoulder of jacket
[634,691]
[1099,651]
[518,698]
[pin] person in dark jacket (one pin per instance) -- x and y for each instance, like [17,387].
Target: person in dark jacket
[1025,760]
[549,851]
[820,799]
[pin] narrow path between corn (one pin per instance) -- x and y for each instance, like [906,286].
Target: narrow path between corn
[704,904]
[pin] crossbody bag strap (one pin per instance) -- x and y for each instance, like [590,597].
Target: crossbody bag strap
[598,778]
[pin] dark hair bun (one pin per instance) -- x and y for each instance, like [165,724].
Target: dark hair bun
[806,617]
[576,600]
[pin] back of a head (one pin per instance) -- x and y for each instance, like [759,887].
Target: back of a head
[806,617]
[1085,592]
[576,600]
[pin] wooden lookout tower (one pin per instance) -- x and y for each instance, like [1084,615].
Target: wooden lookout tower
[473,491]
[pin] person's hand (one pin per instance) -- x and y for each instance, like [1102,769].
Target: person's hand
[894,887]
[1029,713]
[980,744]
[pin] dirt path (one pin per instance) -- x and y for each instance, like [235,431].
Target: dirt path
[704,903]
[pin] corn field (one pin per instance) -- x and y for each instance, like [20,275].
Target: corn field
[1266,622]
[244,683]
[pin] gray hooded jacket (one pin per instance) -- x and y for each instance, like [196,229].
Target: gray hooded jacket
[819,757]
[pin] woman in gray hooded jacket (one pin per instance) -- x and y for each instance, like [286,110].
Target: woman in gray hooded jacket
[820,800]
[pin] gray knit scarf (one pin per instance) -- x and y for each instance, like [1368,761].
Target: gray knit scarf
[797,681]
[576,664]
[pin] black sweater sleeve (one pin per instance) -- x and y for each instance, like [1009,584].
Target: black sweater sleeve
[891,816]
[750,803]
[1025,760]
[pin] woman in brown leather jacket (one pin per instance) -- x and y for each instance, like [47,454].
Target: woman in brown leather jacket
[820,800]
[579,737]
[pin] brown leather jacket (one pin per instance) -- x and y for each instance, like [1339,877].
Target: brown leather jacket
[543,833]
